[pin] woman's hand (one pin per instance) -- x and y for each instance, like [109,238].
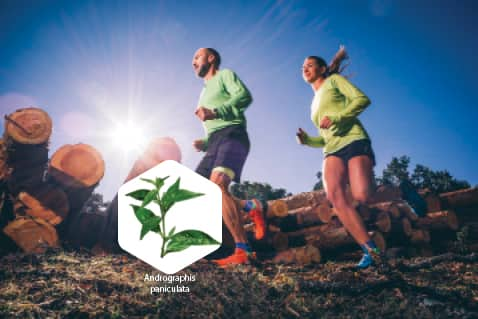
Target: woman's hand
[326,122]
[301,136]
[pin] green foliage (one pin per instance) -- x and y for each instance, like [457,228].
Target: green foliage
[396,171]
[173,242]
[421,178]
[187,238]
[319,185]
[264,191]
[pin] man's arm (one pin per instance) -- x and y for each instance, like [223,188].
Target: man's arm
[240,97]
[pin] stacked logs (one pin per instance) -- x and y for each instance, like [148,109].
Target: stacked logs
[41,197]
[306,227]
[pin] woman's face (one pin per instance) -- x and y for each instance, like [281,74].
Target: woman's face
[311,71]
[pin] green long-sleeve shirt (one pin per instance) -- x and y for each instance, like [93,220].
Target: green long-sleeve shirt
[226,94]
[342,102]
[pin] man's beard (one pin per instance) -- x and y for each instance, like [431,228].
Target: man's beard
[204,69]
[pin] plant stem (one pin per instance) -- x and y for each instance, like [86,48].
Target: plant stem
[163,222]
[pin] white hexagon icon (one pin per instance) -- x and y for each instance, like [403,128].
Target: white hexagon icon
[174,227]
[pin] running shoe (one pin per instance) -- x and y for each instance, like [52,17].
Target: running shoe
[239,257]
[257,217]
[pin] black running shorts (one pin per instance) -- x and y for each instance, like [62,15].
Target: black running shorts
[356,148]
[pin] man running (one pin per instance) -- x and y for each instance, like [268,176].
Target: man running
[221,107]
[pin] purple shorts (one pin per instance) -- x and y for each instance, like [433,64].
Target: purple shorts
[227,148]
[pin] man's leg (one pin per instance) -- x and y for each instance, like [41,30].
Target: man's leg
[233,220]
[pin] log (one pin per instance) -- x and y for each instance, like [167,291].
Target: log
[385,193]
[339,238]
[305,199]
[301,255]
[32,235]
[78,166]
[159,150]
[419,236]
[364,212]
[325,212]
[47,202]
[4,171]
[28,126]
[77,169]
[406,210]
[460,198]
[299,218]
[389,207]
[276,208]
[382,222]
[439,221]
[25,148]
[433,202]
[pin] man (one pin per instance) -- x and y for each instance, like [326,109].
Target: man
[221,107]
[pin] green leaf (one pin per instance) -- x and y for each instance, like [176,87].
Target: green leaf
[188,238]
[159,182]
[139,194]
[174,194]
[168,197]
[148,180]
[152,194]
[184,194]
[151,224]
[142,214]
[171,232]
[148,220]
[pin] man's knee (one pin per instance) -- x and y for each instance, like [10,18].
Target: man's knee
[220,179]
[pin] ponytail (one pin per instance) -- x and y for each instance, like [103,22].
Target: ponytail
[334,65]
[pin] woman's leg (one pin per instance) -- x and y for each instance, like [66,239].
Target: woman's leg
[361,178]
[335,181]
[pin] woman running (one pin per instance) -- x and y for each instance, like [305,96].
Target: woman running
[348,155]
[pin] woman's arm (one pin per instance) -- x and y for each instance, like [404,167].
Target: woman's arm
[358,101]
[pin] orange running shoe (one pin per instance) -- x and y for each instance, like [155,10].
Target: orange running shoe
[257,217]
[239,257]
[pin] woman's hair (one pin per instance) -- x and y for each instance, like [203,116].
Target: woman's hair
[334,65]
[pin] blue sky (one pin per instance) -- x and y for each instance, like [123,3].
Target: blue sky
[93,64]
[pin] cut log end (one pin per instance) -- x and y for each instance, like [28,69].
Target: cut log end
[78,166]
[277,208]
[28,126]
[32,235]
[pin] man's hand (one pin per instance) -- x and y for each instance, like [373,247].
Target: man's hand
[326,122]
[301,136]
[198,145]
[205,114]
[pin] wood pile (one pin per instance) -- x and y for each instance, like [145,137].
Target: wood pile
[40,197]
[307,228]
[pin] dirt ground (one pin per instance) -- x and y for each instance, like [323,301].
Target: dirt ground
[70,284]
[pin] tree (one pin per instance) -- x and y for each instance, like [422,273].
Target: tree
[319,185]
[436,181]
[422,177]
[264,191]
[395,172]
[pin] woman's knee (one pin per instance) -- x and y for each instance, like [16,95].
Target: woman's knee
[362,195]
[336,196]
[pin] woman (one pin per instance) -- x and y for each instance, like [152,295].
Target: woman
[348,155]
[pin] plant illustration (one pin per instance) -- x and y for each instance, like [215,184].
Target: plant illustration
[172,242]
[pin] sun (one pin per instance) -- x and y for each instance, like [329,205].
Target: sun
[128,137]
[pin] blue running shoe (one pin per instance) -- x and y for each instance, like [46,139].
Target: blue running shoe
[365,262]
